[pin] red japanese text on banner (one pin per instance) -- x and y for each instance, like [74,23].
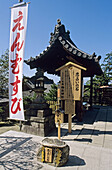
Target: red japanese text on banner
[16,53]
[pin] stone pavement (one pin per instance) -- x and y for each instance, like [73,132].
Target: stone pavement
[90,145]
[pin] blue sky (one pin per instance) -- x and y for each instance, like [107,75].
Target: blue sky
[89,23]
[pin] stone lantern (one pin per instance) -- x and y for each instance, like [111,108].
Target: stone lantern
[41,121]
[39,90]
[39,83]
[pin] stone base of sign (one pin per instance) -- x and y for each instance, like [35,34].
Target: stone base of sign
[54,152]
[39,122]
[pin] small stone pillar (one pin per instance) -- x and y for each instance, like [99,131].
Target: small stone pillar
[40,120]
[53,151]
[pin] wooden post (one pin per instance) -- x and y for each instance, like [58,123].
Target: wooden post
[20,124]
[59,130]
[59,119]
[91,92]
[69,123]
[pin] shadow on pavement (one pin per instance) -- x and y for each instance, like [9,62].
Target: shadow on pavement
[8,144]
[83,140]
[6,124]
[75,161]
[22,153]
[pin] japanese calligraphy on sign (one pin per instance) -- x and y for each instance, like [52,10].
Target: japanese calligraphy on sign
[70,85]
[16,53]
[48,154]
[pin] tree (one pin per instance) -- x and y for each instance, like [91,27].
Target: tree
[52,95]
[107,67]
[100,80]
[104,79]
[4,72]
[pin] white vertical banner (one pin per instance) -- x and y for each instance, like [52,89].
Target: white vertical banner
[16,54]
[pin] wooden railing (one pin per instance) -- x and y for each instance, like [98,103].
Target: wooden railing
[53,105]
[102,96]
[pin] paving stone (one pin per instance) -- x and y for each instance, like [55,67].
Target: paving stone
[87,126]
[108,137]
[14,158]
[91,164]
[109,127]
[100,124]
[68,137]
[64,125]
[79,127]
[78,151]
[99,145]
[108,144]
[97,140]
[94,155]
[106,159]
[92,152]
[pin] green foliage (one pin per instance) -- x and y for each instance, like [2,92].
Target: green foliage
[104,79]
[28,99]
[107,63]
[97,82]
[52,95]
[34,97]
[101,80]
[4,72]
[107,67]
[107,74]
[1,110]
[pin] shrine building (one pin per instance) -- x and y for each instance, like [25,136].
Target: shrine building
[62,50]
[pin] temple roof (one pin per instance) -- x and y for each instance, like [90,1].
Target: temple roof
[62,50]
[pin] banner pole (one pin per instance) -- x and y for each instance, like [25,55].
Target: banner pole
[20,1]
[20,125]
[20,4]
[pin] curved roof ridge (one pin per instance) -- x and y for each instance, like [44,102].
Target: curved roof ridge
[73,49]
[78,48]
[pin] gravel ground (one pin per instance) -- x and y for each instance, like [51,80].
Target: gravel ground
[5,126]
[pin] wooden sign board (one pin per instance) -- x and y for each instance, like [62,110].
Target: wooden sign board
[59,117]
[70,81]
[70,106]
[48,154]
[70,85]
